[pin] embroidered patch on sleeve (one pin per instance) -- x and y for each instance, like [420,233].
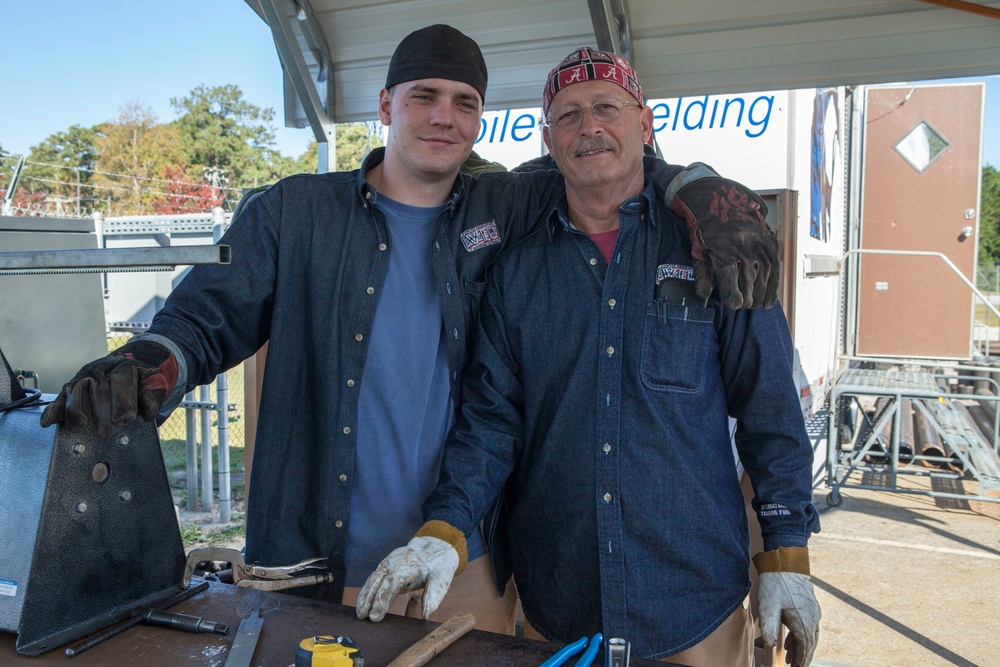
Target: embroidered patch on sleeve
[774,509]
[675,271]
[480,237]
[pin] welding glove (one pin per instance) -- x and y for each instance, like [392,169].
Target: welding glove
[788,597]
[425,562]
[730,241]
[132,381]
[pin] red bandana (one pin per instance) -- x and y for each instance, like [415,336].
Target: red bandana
[586,64]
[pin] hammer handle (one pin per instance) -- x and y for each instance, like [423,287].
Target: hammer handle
[435,642]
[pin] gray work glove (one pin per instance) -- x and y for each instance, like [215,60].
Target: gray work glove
[133,381]
[425,562]
[730,242]
[788,597]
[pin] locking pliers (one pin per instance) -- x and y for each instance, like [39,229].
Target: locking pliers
[259,576]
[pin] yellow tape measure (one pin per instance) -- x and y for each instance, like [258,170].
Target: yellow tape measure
[328,651]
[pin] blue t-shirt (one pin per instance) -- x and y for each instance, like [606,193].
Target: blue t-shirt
[404,405]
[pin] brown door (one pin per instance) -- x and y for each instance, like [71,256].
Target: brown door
[922,156]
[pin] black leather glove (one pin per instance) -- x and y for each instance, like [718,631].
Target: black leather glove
[730,241]
[132,381]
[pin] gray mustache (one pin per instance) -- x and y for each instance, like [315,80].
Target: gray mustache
[593,144]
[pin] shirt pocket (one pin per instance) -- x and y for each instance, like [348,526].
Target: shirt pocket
[675,344]
[473,292]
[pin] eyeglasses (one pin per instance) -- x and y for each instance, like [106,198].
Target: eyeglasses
[571,118]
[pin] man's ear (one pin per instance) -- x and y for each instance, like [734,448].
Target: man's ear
[547,139]
[385,106]
[646,123]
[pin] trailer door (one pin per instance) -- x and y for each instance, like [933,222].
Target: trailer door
[921,180]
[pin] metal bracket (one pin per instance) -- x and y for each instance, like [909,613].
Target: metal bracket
[102,260]
[286,39]
[612,27]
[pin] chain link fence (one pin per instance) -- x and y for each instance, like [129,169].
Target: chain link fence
[174,435]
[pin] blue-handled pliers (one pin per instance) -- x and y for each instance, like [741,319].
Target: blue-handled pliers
[563,654]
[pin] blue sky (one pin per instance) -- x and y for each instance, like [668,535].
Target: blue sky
[69,62]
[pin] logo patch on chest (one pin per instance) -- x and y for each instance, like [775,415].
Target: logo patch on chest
[481,237]
[674,271]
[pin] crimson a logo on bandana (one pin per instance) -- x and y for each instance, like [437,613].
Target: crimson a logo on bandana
[481,237]
[675,271]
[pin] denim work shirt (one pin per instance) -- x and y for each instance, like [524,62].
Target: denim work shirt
[602,415]
[309,258]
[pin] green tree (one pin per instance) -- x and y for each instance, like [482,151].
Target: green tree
[354,142]
[134,152]
[221,130]
[989,219]
[62,166]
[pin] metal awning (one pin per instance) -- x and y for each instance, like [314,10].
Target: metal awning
[335,52]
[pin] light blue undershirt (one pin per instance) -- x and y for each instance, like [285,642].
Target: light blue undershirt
[404,406]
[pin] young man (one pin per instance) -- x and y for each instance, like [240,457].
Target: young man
[365,285]
[599,416]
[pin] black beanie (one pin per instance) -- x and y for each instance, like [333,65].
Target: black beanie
[438,52]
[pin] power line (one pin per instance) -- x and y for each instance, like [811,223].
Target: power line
[106,173]
[118,189]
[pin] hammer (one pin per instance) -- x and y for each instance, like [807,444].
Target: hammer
[438,640]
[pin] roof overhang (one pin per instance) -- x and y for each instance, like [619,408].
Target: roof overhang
[335,52]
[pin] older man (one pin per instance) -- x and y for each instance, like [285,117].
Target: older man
[596,409]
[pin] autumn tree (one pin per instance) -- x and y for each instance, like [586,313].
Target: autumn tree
[183,196]
[133,154]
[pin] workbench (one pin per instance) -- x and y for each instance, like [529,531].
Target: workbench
[287,620]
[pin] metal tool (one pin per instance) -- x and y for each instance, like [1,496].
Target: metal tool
[131,622]
[259,576]
[177,621]
[438,640]
[328,651]
[245,641]
[568,651]
[616,653]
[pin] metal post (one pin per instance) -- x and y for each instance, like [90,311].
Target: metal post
[192,456]
[222,402]
[206,451]
[99,233]
[222,405]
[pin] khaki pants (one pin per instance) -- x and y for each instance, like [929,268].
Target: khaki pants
[729,645]
[473,591]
